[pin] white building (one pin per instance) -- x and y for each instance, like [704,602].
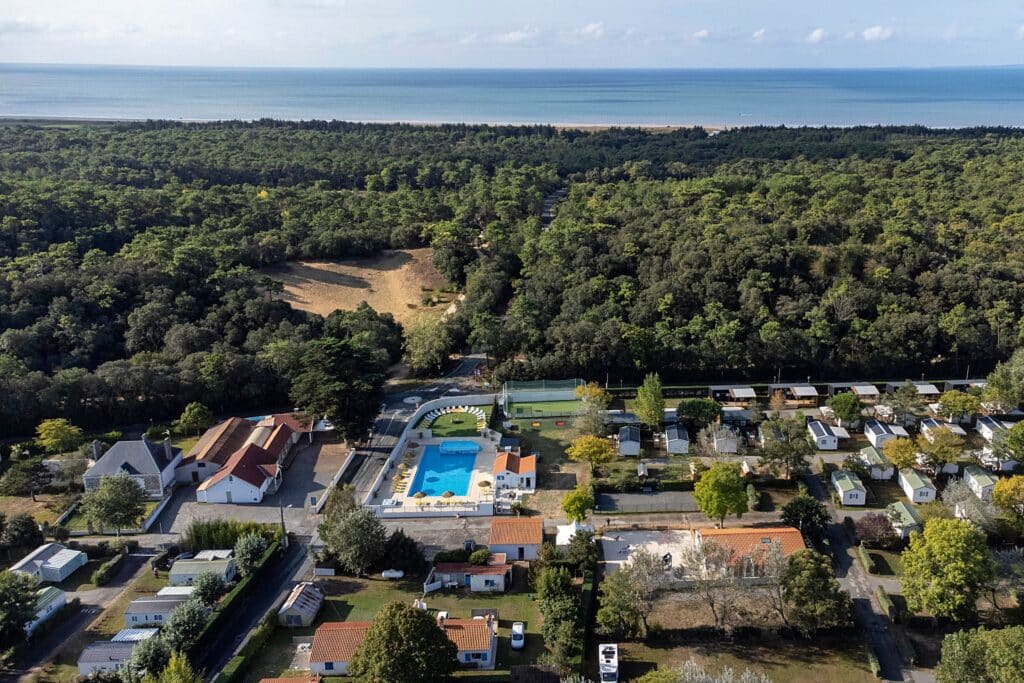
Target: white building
[878,465]
[565,533]
[152,610]
[725,440]
[134,635]
[919,488]
[629,440]
[929,426]
[104,656]
[677,440]
[334,643]
[50,562]
[249,474]
[514,471]
[904,519]
[184,572]
[48,601]
[475,639]
[150,465]
[301,606]
[980,482]
[867,393]
[880,432]
[849,487]
[493,577]
[519,538]
[823,436]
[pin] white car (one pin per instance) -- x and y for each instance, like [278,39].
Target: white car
[518,635]
[392,573]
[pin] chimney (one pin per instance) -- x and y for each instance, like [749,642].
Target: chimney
[167,448]
[97,452]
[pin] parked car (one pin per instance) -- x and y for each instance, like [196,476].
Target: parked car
[518,635]
[392,573]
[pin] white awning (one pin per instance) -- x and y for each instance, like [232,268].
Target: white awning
[743,392]
[926,389]
[804,391]
[864,389]
[840,433]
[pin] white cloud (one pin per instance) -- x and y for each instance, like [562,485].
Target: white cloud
[523,35]
[19,26]
[471,39]
[758,35]
[875,34]
[594,29]
[1019,33]
[816,36]
[701,34]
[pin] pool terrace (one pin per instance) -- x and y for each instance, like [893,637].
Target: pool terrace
[431,479]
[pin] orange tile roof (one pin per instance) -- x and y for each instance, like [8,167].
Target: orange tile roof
[513,462]
[472,569]
[251,464]
[469,635]
[516,531]
[218,442]
[337,641]
[299,422]
[312,678]
[278,440]
[750,541]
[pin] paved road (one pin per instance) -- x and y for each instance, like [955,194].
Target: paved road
[861,586]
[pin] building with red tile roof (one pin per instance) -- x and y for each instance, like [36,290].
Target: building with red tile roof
[334,643]
[493,577]
[515,471]
[747,546]
[249,473]
[476,640]
[519,538]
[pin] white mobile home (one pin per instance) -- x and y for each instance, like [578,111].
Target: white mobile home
[677,440]
[104,656]
[152,610]
[880,432]
[979,481]
[725,440]
[50,562]
[919,488]
[929,426]
[878,465]
[823,436]
[904,519]
[184,572]
[629,440]
[48,601]
[849,487]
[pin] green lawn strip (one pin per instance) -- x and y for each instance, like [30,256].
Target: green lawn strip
[543,409]
[78,521]
[886,563]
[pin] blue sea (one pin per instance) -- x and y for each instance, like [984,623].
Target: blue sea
[941,97]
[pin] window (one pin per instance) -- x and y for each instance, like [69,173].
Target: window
[201,465]
[158,617]
[329,666]
[134,618]
[489,583]
[476,655]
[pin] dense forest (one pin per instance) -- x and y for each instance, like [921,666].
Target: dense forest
[128,253]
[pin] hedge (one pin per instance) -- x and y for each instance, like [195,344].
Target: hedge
[885,601]
[231,671]
[675,484]
[105,572]
[876,668]
[865,560]
[225,610]
[753,497]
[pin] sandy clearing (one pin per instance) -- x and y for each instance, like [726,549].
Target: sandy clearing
[391,282]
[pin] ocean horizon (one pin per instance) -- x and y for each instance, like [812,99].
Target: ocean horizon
[953,97]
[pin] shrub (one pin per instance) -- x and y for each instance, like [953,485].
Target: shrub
[456,555]
[105,572]
[865,560]
[479,556]
[876,668]
[213,534]
[753,498]
[875,531]
[885,601]
[248,551]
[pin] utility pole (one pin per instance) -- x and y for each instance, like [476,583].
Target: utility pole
[284,531]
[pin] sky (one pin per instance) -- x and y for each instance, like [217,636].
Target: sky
[520,34]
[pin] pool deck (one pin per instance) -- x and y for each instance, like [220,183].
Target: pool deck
[396,499]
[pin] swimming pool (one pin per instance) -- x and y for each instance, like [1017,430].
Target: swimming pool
[445,467]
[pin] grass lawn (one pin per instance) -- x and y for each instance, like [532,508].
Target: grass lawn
[784,661]
[556,474]
[185,443]
[65,668]
[543,409]
[18,505]
[351,599]
[773,498]
[455,424]
[81,580]
[886,563]
[883,492]
[78,522]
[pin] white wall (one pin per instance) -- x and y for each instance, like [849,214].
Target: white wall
[242,492]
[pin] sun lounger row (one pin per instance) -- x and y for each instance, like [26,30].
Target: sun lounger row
[479,414]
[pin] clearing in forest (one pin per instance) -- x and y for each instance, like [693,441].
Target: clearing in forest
[396,282]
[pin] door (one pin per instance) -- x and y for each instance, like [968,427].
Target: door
[195,477]
[522,553]
[228,496]
[466,580]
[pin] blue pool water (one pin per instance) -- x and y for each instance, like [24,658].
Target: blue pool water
[447,467]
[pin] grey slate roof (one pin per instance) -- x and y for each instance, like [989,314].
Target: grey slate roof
[156,604]
[820,429]
[133,457]
[629,433]
[107,651]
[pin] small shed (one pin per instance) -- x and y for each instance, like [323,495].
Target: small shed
[302,605]
[879,467]
[184,572]
[823,436]
[677,440]
[849,487]
[629,440]
[918,487]
[979,481]
[50,562]
[904,519]
[725,440]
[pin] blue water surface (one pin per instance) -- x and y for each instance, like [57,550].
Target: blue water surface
[448,467]
[954,97]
